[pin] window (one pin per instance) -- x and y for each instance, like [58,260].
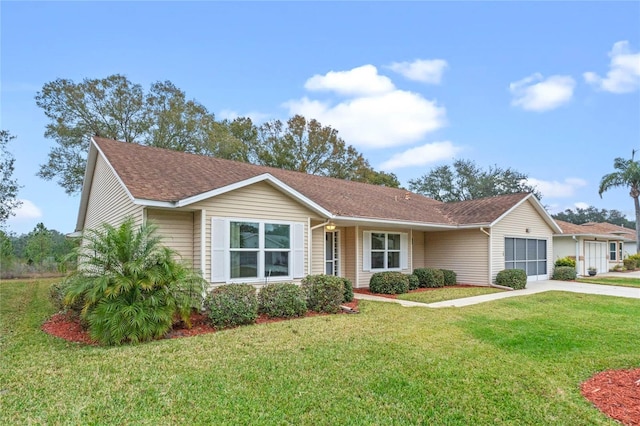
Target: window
[527,254]
[385,250]
[613,251]
[249,250]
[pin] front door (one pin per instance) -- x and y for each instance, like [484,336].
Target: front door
[595,255]
[331,244]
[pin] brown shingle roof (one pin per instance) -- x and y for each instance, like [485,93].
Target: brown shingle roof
[600,229]
[164,175]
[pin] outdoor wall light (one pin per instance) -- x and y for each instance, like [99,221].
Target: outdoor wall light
[330,226]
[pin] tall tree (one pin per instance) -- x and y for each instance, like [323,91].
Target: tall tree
[308,146]
[627,175]
[116,108]
[467,181]
[39,244]
[592,214]
[8,184]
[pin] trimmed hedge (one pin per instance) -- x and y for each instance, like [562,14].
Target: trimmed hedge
[635,257]
[232,304]
[324,293]
[514,278]
[430,277]
[414,282]
[564,273]
[282,300]
[389,283]
[565,261]
[348,290]
[450,277]
[629,264]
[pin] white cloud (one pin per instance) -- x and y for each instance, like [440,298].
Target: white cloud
[624,71]
[581,205]
[376,114]
[363,80]
[555,189]
[534,93]
[423,70]
[27,211]
[421,155]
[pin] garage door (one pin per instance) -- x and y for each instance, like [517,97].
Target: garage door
[595,254]
[528,254]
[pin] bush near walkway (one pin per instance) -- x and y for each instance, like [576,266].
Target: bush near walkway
[514,278]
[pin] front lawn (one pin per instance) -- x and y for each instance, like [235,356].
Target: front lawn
[447,293]
[621,281]
[513,361]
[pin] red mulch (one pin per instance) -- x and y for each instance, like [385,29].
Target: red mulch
[616,393]
[364,290]
[68,327]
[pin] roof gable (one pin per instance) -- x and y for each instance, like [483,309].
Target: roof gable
[598,229]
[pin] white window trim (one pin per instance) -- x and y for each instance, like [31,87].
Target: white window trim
[225,250]
[367,250]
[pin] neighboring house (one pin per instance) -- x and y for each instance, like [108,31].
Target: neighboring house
[598,245]
[238,222]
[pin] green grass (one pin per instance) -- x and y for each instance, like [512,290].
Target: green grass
[513,361]
[447,293]
[620,281]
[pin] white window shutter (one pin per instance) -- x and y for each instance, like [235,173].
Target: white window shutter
[218,248]
[298,250]
[404,251]
[366,251]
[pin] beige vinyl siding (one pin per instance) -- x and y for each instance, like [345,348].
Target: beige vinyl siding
[108,201]
[176,229]
[259,201]
[197,220]
[317,250]
[348,254]
[418,250]
[365,276]
[563,247]
[463,251]
[515,224]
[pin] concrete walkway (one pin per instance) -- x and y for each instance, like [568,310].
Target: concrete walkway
[532,288]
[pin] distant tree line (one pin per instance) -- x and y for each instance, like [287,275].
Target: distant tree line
[41,250]
[592,214]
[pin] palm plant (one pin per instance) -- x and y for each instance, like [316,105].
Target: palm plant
[627,174]
[131,287]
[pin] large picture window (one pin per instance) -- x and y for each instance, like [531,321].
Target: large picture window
[384,250]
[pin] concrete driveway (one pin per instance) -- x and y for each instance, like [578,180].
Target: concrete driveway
[532,288]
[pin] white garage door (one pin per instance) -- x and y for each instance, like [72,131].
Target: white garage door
[595,254]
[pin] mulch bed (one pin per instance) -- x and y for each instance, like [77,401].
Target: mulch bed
[616,393]
[365,290]
[66,326]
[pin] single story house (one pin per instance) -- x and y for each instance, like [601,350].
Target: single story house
[239,222]
[597,245]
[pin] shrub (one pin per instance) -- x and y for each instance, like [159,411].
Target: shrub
[348,290]
[58,293]
[564,273]
[414,281]
[514,278]
[324,293]
[282,300]
[629,264]
[565,261]
[617,267]
[232,304]
[636,258]
[450,277]
[130,286]
[430,277]
[389,283]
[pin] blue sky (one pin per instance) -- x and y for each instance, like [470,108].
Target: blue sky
[550,89]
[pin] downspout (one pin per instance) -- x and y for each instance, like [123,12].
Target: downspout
[577,252]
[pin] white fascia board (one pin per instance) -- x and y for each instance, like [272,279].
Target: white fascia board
[539,208]
[406,224]
[605,237]
[265,177]
[153,203]
[86,184]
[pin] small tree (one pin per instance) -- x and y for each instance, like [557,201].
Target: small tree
[132,286]
[8,185]
[39,244]
[627,175]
